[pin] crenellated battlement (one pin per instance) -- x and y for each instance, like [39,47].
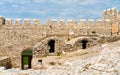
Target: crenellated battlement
[110,21]
[111,14]
[54,22]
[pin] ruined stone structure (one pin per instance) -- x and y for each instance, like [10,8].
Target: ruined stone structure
[54,37]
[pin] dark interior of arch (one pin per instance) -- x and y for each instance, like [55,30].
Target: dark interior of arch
[51,44]
[84,44]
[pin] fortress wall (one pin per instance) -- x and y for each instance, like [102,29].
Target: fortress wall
[107,23]
[18,22]
[99,24]
[70,24]
[91,23]
[37,23]
[62,23]
[8,22]
[54,23]
[83,23]
[111,14]
[16,37]
[75,23]
[58,28]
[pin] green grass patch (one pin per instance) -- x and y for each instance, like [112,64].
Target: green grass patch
[79,54]
[25,60]
[59,53]
[42,56]
[58,57]
[82,53]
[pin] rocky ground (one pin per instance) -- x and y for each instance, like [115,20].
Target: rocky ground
[106,63]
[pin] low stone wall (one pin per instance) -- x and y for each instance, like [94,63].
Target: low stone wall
[6,62]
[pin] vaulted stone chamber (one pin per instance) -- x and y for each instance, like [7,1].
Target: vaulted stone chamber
[49,46]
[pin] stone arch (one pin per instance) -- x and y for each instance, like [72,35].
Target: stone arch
[82,42]
[26,59]
[48,45]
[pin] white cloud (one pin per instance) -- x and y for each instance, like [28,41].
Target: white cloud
[67,11]
[81,2]
[38,0]
[16,1]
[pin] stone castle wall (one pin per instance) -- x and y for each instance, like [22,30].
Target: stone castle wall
[62,28]
[18,36]
[109,23]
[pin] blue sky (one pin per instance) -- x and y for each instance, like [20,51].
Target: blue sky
[56,9]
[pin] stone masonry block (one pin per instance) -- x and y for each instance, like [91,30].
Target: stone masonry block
[107,23]
[54,22]
[99,22]
[27,22]
[62,22]
[70,23]
[91,22]
[18,22]
[114,10]
[75,22]
[83,22]
[36,22]
[8,22]
[1,20]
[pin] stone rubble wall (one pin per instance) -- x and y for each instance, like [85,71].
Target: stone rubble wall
[5,62]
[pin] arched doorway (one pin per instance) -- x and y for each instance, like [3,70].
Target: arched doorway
[51,44]
[26,59]
[84,44]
